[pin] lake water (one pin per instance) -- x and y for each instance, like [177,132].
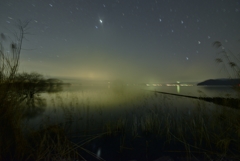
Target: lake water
[105,102]
[199,91]
[89,110]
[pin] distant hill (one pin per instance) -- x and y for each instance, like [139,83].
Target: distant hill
[220,82]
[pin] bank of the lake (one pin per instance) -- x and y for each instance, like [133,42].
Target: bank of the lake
[138,123]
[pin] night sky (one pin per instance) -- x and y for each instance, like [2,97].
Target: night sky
[133,40]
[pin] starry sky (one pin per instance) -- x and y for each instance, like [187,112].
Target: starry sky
[133,40]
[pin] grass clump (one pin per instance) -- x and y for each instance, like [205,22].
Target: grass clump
[17,93]
[146,125]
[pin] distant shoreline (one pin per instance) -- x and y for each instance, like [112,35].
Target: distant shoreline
[220,82]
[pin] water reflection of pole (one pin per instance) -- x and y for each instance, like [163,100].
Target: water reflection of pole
[178,87]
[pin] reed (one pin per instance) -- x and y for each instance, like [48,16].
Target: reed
[199,131]
[68,128]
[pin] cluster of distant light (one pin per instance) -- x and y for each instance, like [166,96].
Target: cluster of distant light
[178,84]
[169,85]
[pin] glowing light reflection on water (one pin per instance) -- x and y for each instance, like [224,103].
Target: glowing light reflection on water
[95,105]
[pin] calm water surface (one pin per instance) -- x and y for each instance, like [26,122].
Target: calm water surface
[86,111]
[100,103]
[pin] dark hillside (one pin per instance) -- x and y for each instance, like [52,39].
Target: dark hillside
[220,82]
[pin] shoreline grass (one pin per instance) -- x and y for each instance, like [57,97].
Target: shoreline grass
[201,131]
[147,127]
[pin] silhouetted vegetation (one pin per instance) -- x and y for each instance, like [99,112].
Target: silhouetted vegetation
[10,117]
[228,60]
[18,97]
[148,127]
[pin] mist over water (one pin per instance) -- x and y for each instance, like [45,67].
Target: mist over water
[135,112]
[113,100]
